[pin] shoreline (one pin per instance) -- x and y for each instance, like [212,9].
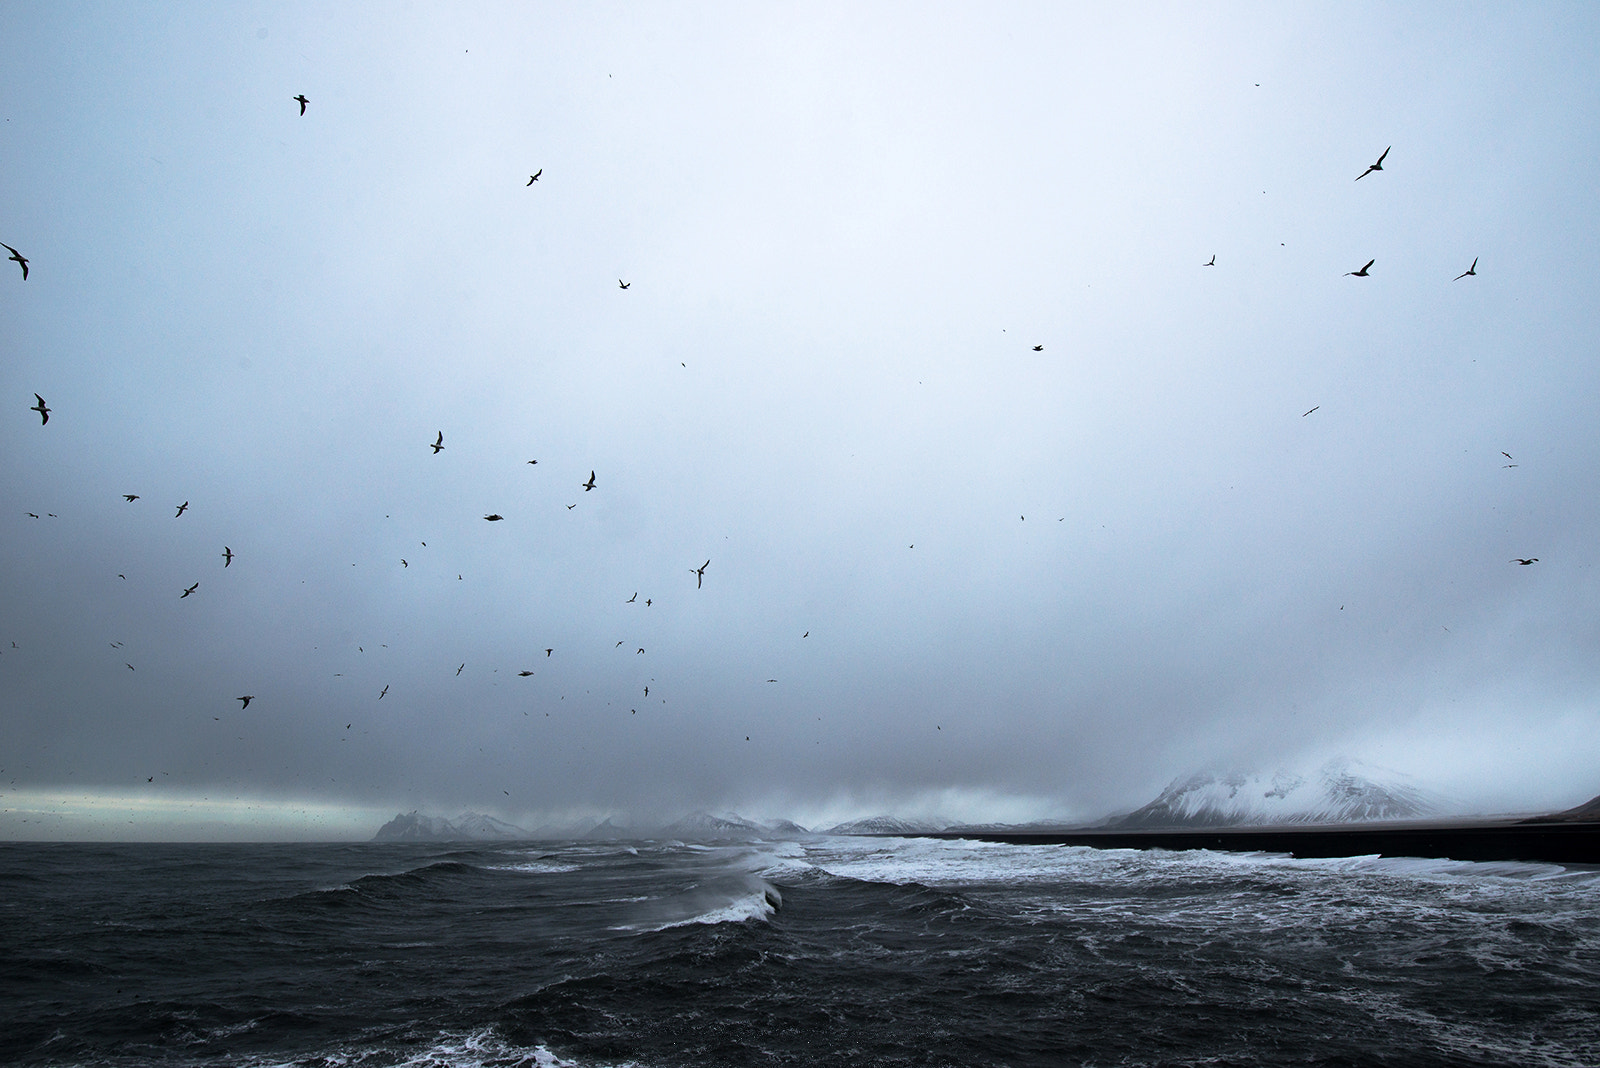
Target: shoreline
[1574,842]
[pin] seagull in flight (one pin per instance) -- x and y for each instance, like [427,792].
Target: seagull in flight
[227,556]
[42,408]
[188,591]
[1473,270]
[438,443]
[494,517]
[1525,563]
[246,699]
[18,257]
[699,573]
[130,497]
[1038,348]
[303,102]
[535,177]
[1212,262]
[632,599]
[182,508]
[385,690]
[1363,272]
[623,285]
[524,674]
[1304,414]
[589,485]
[1378,166]
[458,670]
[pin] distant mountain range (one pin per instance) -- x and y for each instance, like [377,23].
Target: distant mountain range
[476,827]
[1339,792]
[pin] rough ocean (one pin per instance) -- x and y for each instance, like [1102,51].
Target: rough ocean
[822,951]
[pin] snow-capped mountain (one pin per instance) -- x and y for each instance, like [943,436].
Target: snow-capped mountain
[467,827]
[1341,791]
[888,825]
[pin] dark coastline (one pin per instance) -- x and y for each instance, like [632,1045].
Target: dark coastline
[1569,842]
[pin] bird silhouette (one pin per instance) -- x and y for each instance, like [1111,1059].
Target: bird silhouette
[130,497]
[18,257]
[547,652]
[1363,272]
[1038,348]
[589,485]
[699,573]
[1378,166]
[1212,262]
[1304,414]
[245,701]
[184,507]
[623,285]
[535,176]
[458,670]
[1507,455]
[533,461]
[385,690]
[303,102]
[188,591]
[42,408]
[438,443]
[1473,270]
[632,599]
[1525,563]
[494,517]
[524,674]
[227,556]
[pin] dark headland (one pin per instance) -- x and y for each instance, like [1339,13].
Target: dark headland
[1570,837]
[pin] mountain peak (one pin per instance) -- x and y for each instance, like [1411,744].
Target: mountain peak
[1340,791]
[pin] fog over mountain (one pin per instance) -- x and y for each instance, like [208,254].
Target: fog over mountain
[585,416]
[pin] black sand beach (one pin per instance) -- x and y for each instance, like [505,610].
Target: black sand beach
[1541,839]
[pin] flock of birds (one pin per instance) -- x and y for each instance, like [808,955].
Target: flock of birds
[43,410]
[437,447]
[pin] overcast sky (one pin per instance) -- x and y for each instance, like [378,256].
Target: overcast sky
[949,571]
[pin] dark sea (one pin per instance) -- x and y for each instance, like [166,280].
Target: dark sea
[828,951]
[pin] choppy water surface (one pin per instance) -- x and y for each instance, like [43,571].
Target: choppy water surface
[832,951]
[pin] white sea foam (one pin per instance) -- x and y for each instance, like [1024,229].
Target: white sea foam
[476,1049]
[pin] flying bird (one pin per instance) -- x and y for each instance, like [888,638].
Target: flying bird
[622,284]
[494,517]
[1212,262]
[245,701]
[632,599]
[1507,455]
[524,674]
[303,102]
[535,176]
[1378,166]
[1473,270]
[699,573]
[1304,414]
[42,408]
[458,670]
[1363,272]
[182,508]
[589,485]
[438,443]
[227,556]
[533,461]
[18,257]
[1038,348]
[385,690]
[130,497]
[1525,563]
[188,591]
[547,652]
